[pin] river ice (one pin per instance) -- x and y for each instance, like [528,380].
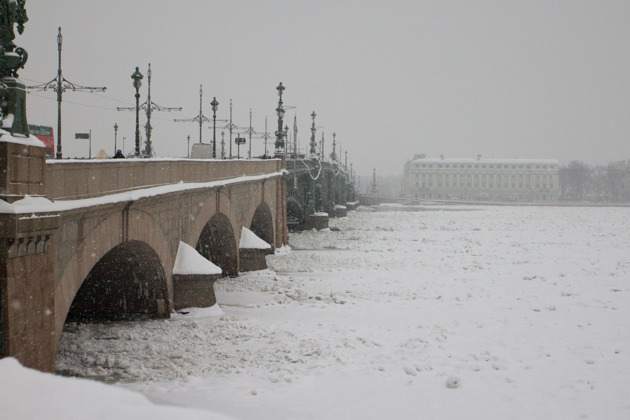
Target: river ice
[452,313]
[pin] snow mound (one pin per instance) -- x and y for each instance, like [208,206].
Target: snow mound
[198,313]
[5,207]
[453,382]
[80,399]
[249,240]
[33,201]
[189,261]
[283,250]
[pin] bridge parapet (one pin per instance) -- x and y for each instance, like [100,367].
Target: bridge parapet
[78,179]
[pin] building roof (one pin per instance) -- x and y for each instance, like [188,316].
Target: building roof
[479,159]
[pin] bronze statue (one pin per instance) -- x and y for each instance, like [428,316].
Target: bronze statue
[12,58]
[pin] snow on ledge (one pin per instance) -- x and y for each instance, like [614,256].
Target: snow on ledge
[198,313]
[249,240]
[6,137]
[189,261]
[134,195]
[29,201]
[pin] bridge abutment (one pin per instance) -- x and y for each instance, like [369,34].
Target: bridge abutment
[27,253]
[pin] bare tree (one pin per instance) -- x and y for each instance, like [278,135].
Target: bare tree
[618,182]
[574,180]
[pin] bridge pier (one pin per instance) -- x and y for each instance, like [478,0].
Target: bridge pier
[27,253]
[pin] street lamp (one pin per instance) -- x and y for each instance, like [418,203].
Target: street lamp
[280,112]
[222,144]
[59,84]
[215,106]
[115,138]
[137,77]
[313,145]
[59,95]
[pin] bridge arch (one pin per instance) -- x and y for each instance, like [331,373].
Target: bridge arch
[295,213]
[95,243]
[262,224]
[319,198]
[217,243]
[127,281]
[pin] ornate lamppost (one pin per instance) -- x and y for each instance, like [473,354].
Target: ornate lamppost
[313,145]
[137,82]
[280,112]
[222,144]
[59,85]
[333,157]
[149,106]
[115,138]
[215,106]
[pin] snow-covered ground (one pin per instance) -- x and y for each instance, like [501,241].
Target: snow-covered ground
[459,313]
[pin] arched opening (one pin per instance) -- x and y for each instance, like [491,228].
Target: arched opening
[262,224]
[319,199]
[128,282]
[303,192]
[295,214]
[218,244]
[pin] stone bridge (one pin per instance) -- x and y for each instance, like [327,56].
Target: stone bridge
[317,189]
[100,238]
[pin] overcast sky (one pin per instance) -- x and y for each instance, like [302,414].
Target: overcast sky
[526,79]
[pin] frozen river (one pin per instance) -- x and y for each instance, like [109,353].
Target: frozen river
[459,313]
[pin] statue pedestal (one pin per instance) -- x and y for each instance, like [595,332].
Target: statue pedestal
[22,165]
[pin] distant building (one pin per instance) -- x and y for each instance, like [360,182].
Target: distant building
[517,180]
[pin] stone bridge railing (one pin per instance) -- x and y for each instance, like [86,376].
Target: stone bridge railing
[79,179]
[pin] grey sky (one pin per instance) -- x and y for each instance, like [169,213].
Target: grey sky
[528,79]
